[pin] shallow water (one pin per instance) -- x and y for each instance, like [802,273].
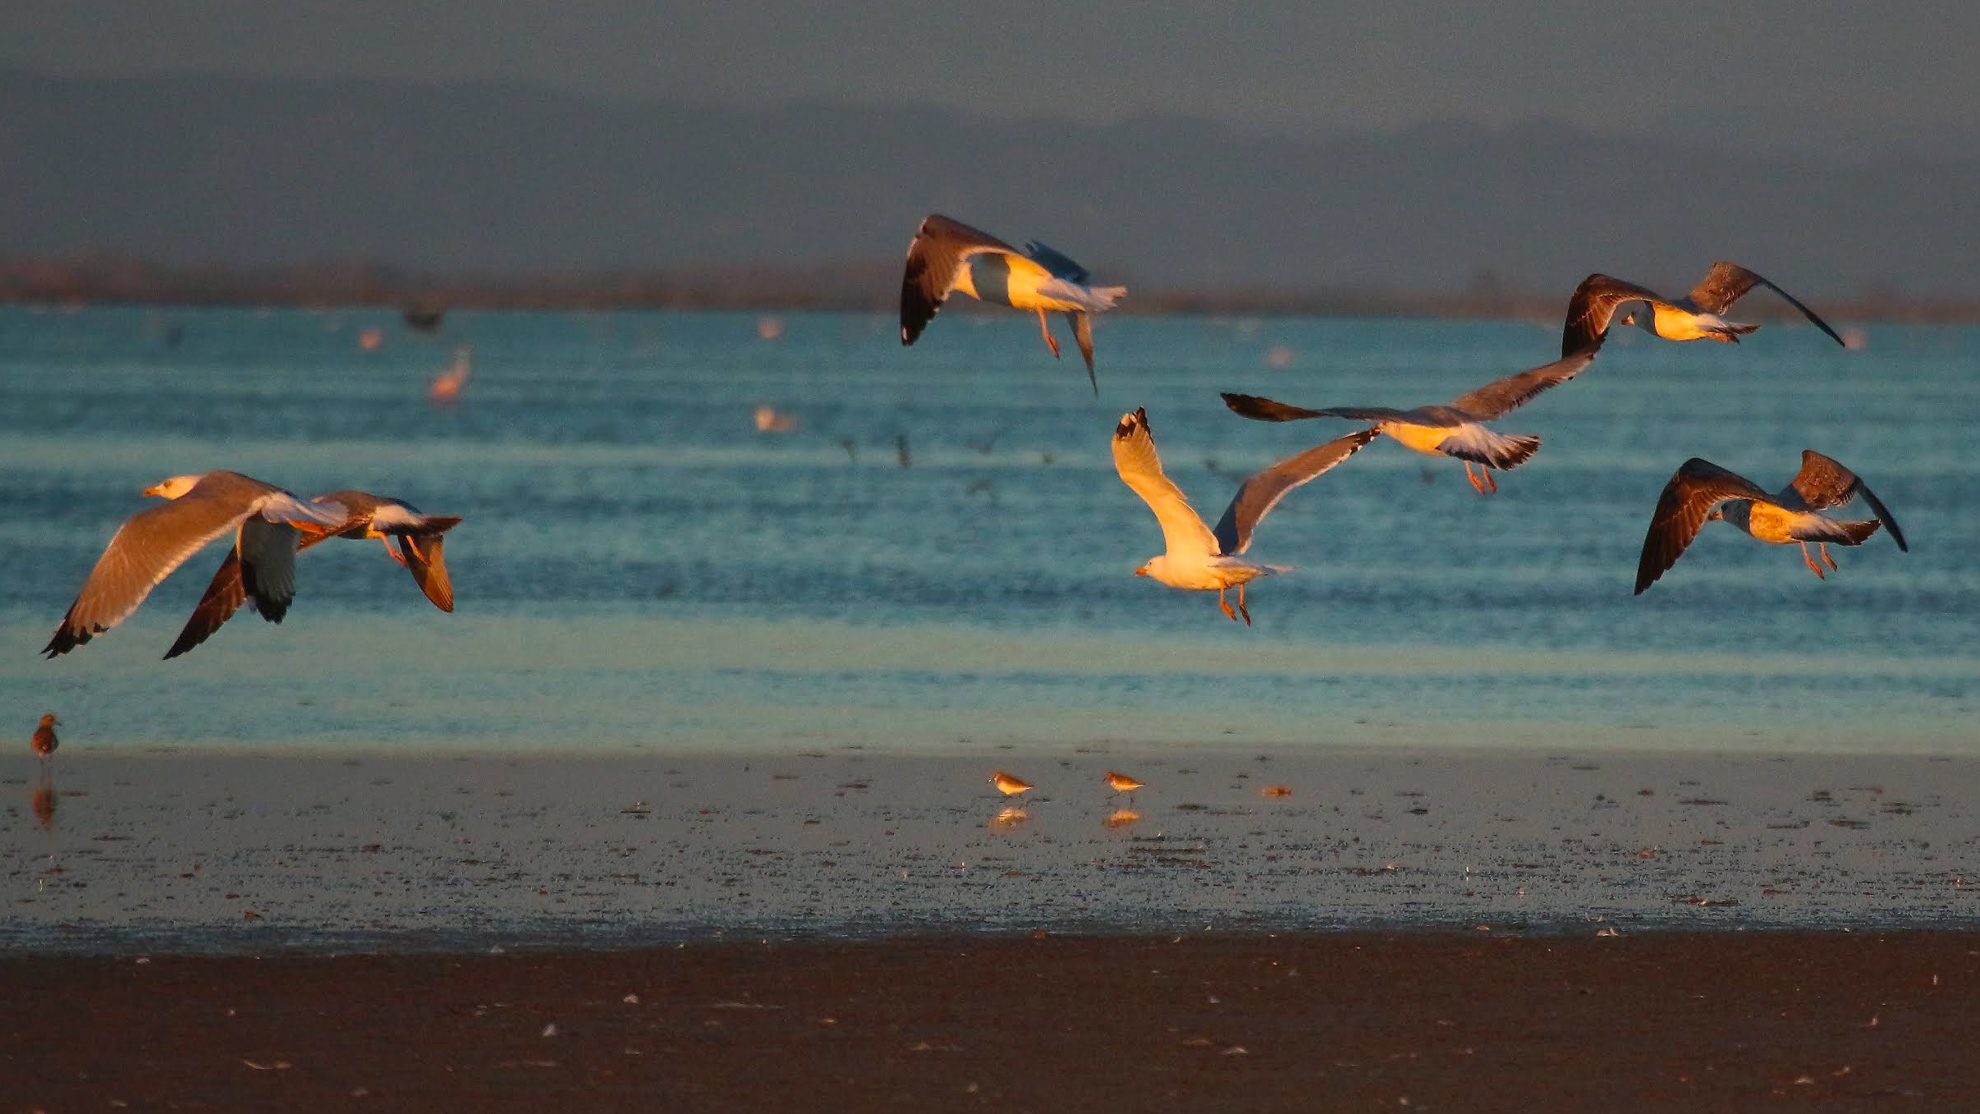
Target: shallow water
[640,567]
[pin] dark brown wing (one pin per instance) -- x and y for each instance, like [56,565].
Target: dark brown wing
[224,595]
[1501,395]
[1265,410]
[939,247]
[1259,494]
[1695,488]
[1727,283]
[1823,482]
[1593,303]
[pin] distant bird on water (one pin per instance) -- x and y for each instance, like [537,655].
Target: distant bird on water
[45,742]
[1696,316]
[1701,491]
[1455,429]
[1196,557]
[420,539]
[1007,785]
[263,518]
[446,387]
[948,256]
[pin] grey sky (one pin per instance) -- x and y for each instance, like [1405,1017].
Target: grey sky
[1777,73]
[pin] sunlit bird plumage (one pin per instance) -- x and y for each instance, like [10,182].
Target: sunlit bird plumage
[1196,557]
[1696,316]
[1454,429]
[1700,491]
[948,256]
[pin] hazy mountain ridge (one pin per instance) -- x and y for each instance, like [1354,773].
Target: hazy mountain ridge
[508,179]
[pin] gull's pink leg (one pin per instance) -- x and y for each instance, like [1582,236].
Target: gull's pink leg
[1824,547]
[1476,485]
[386,541]
[1226,605]
[1810,562]
[1050,341]
[1241,607]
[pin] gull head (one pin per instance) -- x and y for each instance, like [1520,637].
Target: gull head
[172,488]
[49,720]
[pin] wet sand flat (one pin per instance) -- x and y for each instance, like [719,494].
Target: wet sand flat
[1447,1020]
[248,854]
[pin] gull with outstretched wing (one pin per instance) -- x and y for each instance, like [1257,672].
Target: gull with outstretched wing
[1696,316]
[1701,491]
[948,256]
[1456,428]
[1197,557]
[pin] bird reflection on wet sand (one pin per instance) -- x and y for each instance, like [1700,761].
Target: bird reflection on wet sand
[43,805]
[1122,818]
[1008,818]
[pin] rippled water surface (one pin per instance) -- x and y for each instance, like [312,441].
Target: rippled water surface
[640,566]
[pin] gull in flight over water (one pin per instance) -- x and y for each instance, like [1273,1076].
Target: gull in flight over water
[1455,429]
[948,256]
[419,537]
[1696,316]
[1197,557]
[1701,491]
[262,517]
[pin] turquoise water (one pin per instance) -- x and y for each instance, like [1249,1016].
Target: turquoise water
[640,567]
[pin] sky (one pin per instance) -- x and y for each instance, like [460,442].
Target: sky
[1854,79]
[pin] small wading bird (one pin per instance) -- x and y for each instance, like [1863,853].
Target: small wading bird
[948,256]
[45,742]
[1692,317]
[1196,557]
[446,387]
[1121,783]
[263,518]
[1007,785]
[420,539]
[1701,491]
[1455,429]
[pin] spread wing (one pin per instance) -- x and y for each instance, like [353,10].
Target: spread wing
[1593,303]
[938,249]
[1268,410]
[224,595]
[1501,395]
[1057,262]
[421,551]
[143,552]
[1263,491]
[1695,488]
[1134,458]
[1727,282]
[1822,482]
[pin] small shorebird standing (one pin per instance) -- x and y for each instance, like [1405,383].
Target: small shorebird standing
[1454,429]
[1007,785]
[420,539]
[45,742]
[1700,491]
[1696,316]
[263,518]
[1198,558]
[1121,783]
[948,256]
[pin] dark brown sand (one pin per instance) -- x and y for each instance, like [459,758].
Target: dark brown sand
[1454,1021]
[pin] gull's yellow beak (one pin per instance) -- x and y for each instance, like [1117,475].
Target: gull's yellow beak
[154,489]
[1142,571]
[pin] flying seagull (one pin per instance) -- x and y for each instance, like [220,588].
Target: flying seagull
[1197,557]
[263,518]
[1455,429]
[948,256]
[419,537]
[1692,317]
[1701,491]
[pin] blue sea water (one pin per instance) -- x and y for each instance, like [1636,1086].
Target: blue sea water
[641,567]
